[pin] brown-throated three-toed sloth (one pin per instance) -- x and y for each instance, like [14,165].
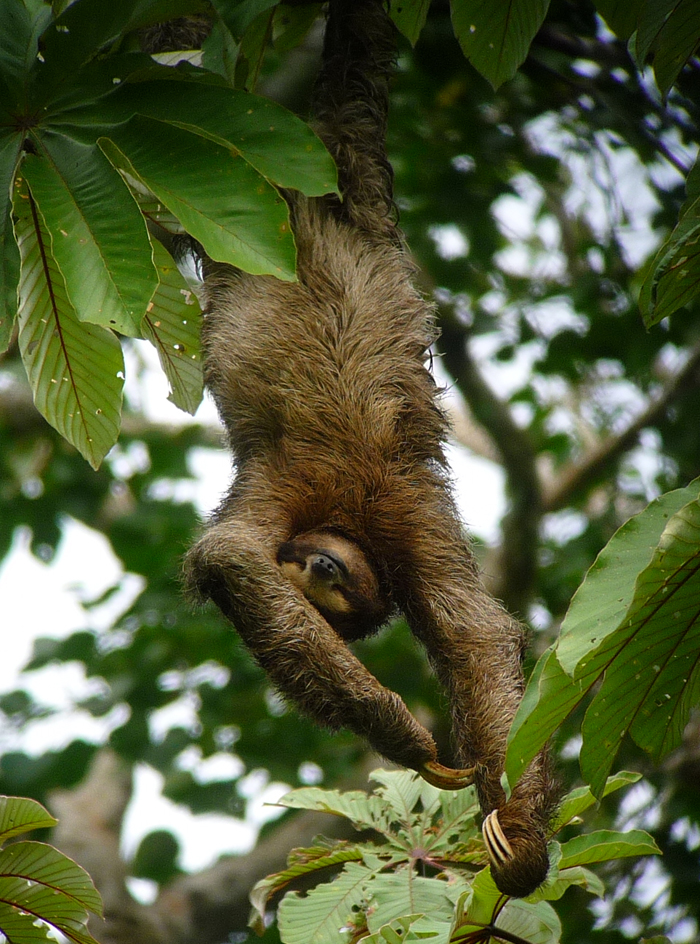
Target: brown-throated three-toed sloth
[340,512]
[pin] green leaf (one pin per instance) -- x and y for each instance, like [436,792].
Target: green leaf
[411,928]
[602,845]
[549,697]
[108,271]
[22,904]
[496,37]
[300,862]
[41,863]
[251,53]
[654,681]
[271,139]
[75,370]
[402,893]
[20,27]
[620,15]
[173,326]
[239,14]
[292,24]
[320,917]
[673,277]
[577,875]
[602,601]
[534,922]
[363,811]
[19,815]
[579,800]
[400,790]
[242,220]
[670,31]
[10,145]
[409,17]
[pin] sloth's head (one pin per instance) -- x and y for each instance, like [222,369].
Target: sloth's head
[334,575]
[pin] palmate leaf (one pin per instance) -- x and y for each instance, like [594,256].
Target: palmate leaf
[107,267]
[242,221]
[320,917]
[172,325]
[300,862]
[496,37]
[410,929]
[19,815]
[363,811]
[403,893]
[74,369]
[580,799]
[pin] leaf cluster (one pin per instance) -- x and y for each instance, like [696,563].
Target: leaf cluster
[42,891]
[425,877]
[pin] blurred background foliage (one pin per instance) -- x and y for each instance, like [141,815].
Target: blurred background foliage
[531,212]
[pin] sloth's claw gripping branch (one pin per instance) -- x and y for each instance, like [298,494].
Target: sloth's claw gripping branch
[446,778]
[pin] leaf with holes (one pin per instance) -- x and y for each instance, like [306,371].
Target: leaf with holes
[75,369]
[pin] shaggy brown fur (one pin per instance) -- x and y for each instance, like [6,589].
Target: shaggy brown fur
[333,423]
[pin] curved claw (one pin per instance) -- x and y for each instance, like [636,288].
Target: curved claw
[497,845]
[446,778]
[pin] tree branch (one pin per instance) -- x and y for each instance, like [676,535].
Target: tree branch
[516,559]
[581,475]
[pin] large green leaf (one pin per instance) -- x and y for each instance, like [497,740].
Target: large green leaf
[242,220]
[98,235]
[673,277]
[41,863]
[496,37]
[321,916]
[23,904]
[602,845]
[301,862]
[580,799]
[274,141]
[404,893]
[363,811]
[21,24]
[635,606]
[620,15]
[239,14]
[75,369]
[19,815]
[173,325]
[409,17]
[10,145]
[550,696]
[670,31]
[601,603]
[654,682]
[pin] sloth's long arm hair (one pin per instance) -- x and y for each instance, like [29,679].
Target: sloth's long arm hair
[341,511]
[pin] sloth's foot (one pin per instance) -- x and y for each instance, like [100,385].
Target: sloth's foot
[446,778]
[497,846]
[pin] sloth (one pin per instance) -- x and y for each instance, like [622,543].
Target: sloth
[341,513]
